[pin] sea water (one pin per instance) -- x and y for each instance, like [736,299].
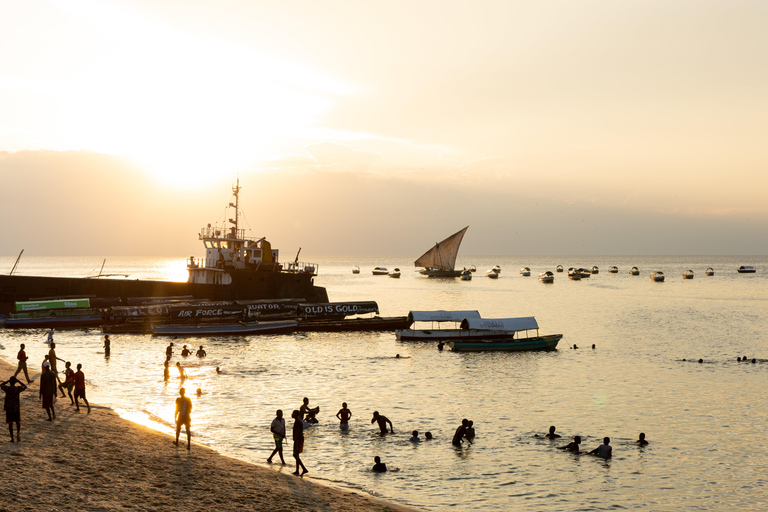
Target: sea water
[706,422]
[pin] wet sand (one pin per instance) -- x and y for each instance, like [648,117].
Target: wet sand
[100,461]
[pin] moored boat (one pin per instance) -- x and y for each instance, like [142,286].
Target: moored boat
[585,272]
[380,271]
[395,273]
[747,269]
[435,325]
[657,276]
[232,329]
[688,274]
[547,277]
[355,270]
[440,260]
[634,271]
[574,274]
[500,335]
[559,268]
[56,314]
[472,268]
[613,270]
[466,274]
[709,272]
[492,274]
[594,270]
[346,316]
[547,342]
[525,271]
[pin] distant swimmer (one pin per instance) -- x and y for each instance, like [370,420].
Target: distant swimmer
[199,391]
[278,433]
[461,433]
[440,346]
[200,352]
[344,414]
[218,370]
[185,351]
[573,446]
[604,450]
[738,359]
[470,435]
[641,440]
[551,434]
[183,416]
[308,413]
[427,436]
[382,420]
[593,346]
[701,360]
[574,346]
[378,467]
[415,437]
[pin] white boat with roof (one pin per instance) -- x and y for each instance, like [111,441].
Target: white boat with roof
[709,272]
[440,260]
[574,274]
[380,271]
[355,270]
[613,270]
[492,274]
[547,277]
[525,271]
[634,271]
[395,273]
[502,334]
[688,274]
[747,269]
[657,276]
[437,326]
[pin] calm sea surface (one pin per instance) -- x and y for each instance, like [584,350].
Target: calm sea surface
[707,423]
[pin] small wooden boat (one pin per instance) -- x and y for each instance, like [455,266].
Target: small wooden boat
[498,334]
[395,273]
[709,272]
[492,274]
[657,277]
[548,342]
[559,268]
[594,270]
[466,275]
[634,271]
[440,260]
[57,314]
[234,329]
[688,274]
[355,270]
[613,270]
[547,277]
[472,268]
[497,269]
[335,317]
[585,272]
[525,271]
[574,274]
[747,269]
[380,271]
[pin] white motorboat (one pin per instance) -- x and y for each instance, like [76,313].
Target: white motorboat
[547,277]
[395,273]
[688,274]
[380,271]
[355,270]
[525,271]
[657,277]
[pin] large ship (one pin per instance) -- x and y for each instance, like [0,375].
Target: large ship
[235,267]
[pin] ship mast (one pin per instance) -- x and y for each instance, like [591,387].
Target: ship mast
[236,205]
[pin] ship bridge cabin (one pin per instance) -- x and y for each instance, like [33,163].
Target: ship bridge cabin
[236,251]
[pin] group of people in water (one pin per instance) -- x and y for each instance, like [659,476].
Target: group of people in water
[604,451]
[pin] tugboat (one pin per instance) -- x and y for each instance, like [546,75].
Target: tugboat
[234,268]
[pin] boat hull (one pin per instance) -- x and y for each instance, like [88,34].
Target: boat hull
[238,329]
[450,335]
[539,343]
[245,285]
[354,324]
[55,322]
[430,272]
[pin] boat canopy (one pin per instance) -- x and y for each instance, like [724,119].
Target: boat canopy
[746,267]
[337,309]
[52,304]
[441,316]
[500,324]
[443,255]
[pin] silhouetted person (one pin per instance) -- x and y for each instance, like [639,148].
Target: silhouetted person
[460,433]
[378,467]
[573,446]
[169,351]
[69,380]
[641,440]
[80,389]
[183,416]
[382,420]
[428,436]
[22,357]
[738,359]
[185,351]
[604,450]
[199,391]
[218,370]
[181,371]
[50,335]
[278,432]
[344,414]
[48,390]
[166,372]
[470,435]
[200,352]
[415,437]
[12,405]
[308,413]
[440,346]
[551,434]
[107,344]
[298,441]
[52,358]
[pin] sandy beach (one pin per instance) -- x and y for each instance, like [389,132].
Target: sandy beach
[100,461]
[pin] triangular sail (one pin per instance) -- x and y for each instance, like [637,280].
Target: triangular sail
[443,255]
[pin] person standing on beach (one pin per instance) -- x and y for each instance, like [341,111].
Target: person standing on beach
[461,433]
[48,390]
[52,360]
[80,389]
[183,415]
[106,345]
[22,357]
[69,380]
[278,432]
[344,414]
[12,405]
[298,442]
[382,420]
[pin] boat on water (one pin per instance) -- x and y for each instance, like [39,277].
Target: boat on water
[492,274]
[355,270]
[439,326]
[709,272]
[613,270]
[472,268]
[235,267]
[525,271]
[657,277]
[440,260]
[395,273]
[594,270]
[56,314]
[497,269]
[466,274]
[585,272]
[503,334]
[347,316]
[574,274]
[380,271]
[559,268]
[230,329]
[547,277]
[747,269]
[688,274]
[634,271]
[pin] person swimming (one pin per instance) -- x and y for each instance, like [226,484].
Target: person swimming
[415,437]
[641,439]
[604,451]
[378,467]
[573,446]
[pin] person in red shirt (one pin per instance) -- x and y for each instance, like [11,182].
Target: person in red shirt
[69,380]
[22,357]
[80,388]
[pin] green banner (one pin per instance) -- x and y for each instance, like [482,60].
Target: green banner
[53,304]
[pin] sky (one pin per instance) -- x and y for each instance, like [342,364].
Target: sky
[379,128]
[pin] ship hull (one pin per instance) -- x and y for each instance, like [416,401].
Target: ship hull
[245,285]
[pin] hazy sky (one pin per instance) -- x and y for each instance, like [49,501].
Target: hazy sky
[381,127]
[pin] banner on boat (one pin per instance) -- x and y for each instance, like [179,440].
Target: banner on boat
[337,309]
[53,304]
[200,311]
[280,308]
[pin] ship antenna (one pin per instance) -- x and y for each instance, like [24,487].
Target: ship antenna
[236,205]
[17,262]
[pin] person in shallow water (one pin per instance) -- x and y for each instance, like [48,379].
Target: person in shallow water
[428,436]
[604,450]
[344,414]
[278,433]
[378,467]
[200,352]
[382,420]
[641,439]
[415,437]
[573,446]
[461,433]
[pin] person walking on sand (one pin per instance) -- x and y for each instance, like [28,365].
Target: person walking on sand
[106,345]
[80,388]
[344,414]
[12,405]
[22,357]
[48,390]
[298,441]
[382,420]
[183,415]
[278,432]
[69,380]
[461,433]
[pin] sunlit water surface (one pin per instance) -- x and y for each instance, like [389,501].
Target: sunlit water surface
[706,422]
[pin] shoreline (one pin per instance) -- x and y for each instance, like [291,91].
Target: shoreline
[111,463]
